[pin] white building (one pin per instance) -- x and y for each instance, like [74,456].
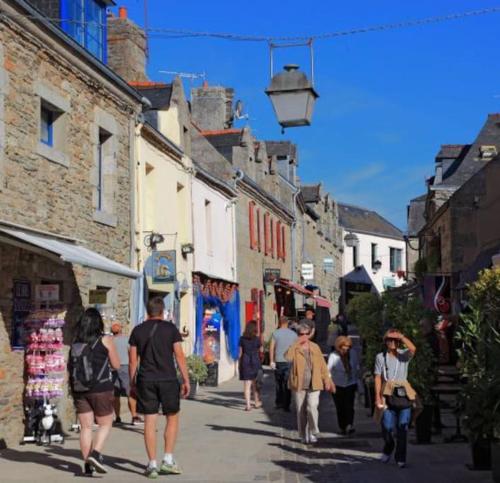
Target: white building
[377,261]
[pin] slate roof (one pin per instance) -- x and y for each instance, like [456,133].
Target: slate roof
[281,148]
[363,220]
[159,94]
[451,151]
[311,193]
[224,138]
[416,210]
[469,161]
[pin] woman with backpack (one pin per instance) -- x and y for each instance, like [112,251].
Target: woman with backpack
[92,357]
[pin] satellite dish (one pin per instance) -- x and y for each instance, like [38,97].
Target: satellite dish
[238,110]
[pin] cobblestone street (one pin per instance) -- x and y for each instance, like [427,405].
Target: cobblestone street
[221,442]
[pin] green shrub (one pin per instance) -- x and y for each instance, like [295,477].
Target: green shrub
[197,369]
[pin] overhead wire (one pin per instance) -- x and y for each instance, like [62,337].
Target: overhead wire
[170,33]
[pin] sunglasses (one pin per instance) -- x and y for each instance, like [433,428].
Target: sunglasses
[390,339]
[304,333]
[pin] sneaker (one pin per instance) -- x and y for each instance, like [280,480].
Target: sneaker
[305,440]
[401,464]
[137,421]
[170,469]
[151,472]
[384,458]
[350,429]
[96,461]
[88,470]
[313,439]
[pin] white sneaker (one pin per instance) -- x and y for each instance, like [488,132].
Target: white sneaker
[313,439]
[305,440]
[384,458]
[401,464]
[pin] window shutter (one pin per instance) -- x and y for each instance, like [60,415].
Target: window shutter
[259,241]
[272,238]
[251,224]
[283,243]
[278,239]
[266,234]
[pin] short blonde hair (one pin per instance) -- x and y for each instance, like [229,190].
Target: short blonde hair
[342,340]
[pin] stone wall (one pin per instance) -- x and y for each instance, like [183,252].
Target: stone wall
[42,193]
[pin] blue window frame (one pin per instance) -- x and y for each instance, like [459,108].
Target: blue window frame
[47,118]
[85,21]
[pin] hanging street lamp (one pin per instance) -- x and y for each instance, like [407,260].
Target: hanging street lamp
[351,240]
[292,96]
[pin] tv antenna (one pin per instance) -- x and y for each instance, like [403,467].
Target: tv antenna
[186,75]
[238,111]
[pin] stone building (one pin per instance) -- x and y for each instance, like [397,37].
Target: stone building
[416,221]
[460,235]
[322,244]
[67,127]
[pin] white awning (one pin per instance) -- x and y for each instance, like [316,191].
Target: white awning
[69,251]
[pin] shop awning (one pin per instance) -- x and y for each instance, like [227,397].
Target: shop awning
[322,302]
[295,287]
[68,251]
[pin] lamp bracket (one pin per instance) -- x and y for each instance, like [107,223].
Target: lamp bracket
[287,45]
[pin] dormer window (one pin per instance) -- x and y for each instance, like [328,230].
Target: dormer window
[487,152]
[85,21]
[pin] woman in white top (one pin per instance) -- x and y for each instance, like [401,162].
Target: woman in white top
[343,364]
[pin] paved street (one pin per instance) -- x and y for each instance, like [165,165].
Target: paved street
[222,443]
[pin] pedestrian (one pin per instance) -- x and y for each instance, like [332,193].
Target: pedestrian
[121,378]
[343,364]
[250,365]
[92,357]
[394,394]
[308,376]
[343,324]
[154,345]
[281,340]
[310,319]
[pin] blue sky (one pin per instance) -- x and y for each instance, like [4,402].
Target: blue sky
[387,99]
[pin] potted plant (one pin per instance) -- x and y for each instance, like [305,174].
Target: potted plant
[197,371]
[479,339]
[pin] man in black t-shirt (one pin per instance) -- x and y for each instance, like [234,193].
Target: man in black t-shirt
[153,346]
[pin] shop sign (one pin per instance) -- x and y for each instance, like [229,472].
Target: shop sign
[98,296]
[164,266]
[307,271]
[21,308]
[328,265]
[47,292]
[272,275]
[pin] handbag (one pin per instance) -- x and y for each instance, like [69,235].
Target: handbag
[398,400]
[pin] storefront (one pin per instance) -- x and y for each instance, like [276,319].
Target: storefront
[46,283]
[217,308]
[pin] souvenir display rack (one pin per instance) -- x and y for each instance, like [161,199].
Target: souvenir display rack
[45,369]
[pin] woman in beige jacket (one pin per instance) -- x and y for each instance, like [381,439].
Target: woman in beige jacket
[309,375]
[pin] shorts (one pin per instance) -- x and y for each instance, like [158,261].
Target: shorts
[121,381]
[153,394]
[99,403]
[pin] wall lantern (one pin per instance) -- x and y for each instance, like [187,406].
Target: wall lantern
[153,239]
[351,240]
[377,265]
[187,248]
[292,94]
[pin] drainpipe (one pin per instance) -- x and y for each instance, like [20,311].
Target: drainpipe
[294,231]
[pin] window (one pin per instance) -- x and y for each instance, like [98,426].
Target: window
[395,255]
[208,227]
[47,126]
[374,254]
[85,21]
[354,256]
[101,147]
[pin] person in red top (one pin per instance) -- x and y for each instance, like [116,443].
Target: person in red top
[155,343]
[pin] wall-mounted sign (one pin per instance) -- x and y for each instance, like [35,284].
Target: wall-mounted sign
[307,271]
[388,282]
[164,266]
[272,275]
[328,265]
[47,292]
[98,296]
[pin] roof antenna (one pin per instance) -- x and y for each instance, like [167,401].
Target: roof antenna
[192,76]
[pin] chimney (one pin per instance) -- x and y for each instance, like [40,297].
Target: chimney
[212,107]
[126,47]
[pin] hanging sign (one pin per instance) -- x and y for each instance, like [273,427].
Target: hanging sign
[164,266]
[47,292]
[307,271]
[272,275]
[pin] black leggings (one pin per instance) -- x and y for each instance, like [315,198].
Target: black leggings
[344,402]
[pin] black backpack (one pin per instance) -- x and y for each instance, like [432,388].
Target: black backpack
[82,374]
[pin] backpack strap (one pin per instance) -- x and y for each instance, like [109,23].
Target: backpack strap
[105,366]
[150,337]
